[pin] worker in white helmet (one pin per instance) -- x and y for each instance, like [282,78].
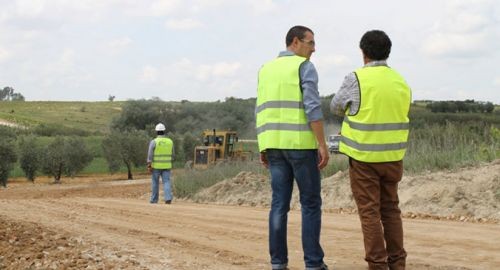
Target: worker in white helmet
[160,156]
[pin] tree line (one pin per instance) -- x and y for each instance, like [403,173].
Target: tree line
[69,155]
[454,106]
[8,94]
[125,146]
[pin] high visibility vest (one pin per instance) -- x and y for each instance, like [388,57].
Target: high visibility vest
[281,121]
[378,132]
[162,155]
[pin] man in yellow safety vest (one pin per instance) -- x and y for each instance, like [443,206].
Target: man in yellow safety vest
[160,156]
[375,101]
[289,124]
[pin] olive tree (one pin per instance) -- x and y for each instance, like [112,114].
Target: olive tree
[29,156]
[189,142]
[66,156]
[8,157]
[127,148]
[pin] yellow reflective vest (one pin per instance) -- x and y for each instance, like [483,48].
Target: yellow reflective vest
[162,155]
[378,132]
[280,117]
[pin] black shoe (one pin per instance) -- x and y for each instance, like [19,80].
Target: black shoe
[168,202]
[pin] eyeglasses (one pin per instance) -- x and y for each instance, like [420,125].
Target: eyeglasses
[310,42]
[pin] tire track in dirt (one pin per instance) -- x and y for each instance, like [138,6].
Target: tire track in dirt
[119,225]
[186,235]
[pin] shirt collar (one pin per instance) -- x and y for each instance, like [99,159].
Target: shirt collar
[376,63]
[286,53]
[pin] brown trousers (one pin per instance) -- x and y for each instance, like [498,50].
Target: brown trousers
[375,190]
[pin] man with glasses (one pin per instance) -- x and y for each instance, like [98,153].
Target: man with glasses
[375,101]
[291,141]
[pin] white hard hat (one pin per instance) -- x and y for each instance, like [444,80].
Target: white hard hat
[160,127]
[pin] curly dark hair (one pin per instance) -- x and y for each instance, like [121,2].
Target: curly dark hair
[298,31]
[376,45]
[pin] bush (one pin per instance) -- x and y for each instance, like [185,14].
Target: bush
[7,159]
[30,156]
[67,156]
[52,130]
[434,147]
[127,147]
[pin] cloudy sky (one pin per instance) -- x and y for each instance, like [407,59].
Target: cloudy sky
[207,50]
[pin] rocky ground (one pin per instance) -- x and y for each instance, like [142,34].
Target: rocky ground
[103,223]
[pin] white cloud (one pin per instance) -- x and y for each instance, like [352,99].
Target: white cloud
[335,60]
[63,73]
[164,7]
[149,74]
[204,72]
[451,44]
[182,24]
[29,8]
[464,30]
[224,69]
[4,54]
[184,78]
[262,6]
[118,45]
[66,61]
[496,81]
[202,5]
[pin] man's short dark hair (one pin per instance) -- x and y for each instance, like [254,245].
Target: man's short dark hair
[376,45]
[160,132]
[298,31]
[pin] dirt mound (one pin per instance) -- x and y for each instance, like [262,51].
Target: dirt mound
[468,194]
[463,194]
[246,188]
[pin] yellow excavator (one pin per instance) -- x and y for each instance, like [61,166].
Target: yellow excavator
[219,146]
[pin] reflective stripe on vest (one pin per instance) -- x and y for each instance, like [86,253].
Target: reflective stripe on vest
[379,131]
[162,155]
[281,121]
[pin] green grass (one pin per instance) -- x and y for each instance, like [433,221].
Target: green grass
[435,147]
[93,117]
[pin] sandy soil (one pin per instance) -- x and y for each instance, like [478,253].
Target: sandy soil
[110,225]
[9,124]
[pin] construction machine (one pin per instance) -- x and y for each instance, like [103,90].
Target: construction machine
[333,142]
[219,146]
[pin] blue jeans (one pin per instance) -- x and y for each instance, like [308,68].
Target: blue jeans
[284,166]
[155,178]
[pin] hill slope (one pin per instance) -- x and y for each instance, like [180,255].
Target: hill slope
[89,116]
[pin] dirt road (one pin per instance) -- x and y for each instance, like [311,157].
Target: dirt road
[109,225]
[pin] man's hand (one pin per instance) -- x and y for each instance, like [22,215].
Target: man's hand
[263,160]
[150,169]
[323,156]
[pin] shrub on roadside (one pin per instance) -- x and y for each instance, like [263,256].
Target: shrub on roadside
[125,147]
[8,157]
[30,155]
[65,156]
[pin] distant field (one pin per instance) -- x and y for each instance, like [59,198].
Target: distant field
[88,116]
